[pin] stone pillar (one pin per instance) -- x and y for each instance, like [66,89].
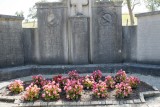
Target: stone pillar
[106,38]
[11,41]
[79,40]
[53,40]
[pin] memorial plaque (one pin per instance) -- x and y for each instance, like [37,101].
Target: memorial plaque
[107,33]
[53,41]
[79,40]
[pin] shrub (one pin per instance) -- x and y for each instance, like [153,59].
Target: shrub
[32,92]
[88,82]
[110,82]
[73,89]
[121,76]
[16,86]
[39,80]
[100,90]
[123,90]
[73,74]
[97,75]
[51,91]
[133,81]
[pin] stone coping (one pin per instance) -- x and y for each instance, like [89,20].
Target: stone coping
[148,14]
[51,4]
[17,100]
[108,3]
[11,17]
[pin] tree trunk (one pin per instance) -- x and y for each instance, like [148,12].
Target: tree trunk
[130,12]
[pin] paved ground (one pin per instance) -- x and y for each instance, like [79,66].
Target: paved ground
[150,102]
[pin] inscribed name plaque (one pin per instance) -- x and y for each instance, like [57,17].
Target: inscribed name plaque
[79,46]
[53,45]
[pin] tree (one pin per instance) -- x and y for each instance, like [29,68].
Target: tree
[131,5]
[20,14]
[152,5]
[33,11]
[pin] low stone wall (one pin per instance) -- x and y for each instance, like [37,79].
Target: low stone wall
[23,71]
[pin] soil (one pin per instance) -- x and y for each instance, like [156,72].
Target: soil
[87,95]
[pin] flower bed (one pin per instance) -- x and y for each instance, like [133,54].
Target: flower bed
[79,88]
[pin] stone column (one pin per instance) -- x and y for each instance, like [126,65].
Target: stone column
[53,40]
[11,41]
[106,38]
[79,40]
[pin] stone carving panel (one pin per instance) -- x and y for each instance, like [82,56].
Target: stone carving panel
[52,34]
[52,20]
[106,40]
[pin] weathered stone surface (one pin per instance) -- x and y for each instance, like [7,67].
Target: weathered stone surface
[11,41]
[31,46]
[79,40]
[53,41]
[129,34]
[106,39]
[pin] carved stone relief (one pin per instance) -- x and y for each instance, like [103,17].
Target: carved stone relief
[52,20]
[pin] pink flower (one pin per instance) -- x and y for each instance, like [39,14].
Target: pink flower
[97,75]
[16,86]
[121,76]
[51,91]
[100,90]
[73,89]
[123,90]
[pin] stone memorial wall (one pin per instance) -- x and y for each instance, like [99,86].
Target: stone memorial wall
[80,32]
[69,32]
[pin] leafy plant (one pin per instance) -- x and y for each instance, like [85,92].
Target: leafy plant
[51,91]
[73,89]
[97,75]
[73,74]
[110,82]
[121,76]
[133,81]
[32,92]
[16,86]
[88,82]
[123,90]
[100,90]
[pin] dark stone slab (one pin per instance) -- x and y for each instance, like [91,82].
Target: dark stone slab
[31,47]
[79,45]
[11,41]
[53,40]
[129,34]
[106,39]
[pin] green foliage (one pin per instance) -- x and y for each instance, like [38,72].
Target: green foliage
[33,11]
[152,5]
[20,14]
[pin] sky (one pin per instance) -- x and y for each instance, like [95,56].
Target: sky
[9,7]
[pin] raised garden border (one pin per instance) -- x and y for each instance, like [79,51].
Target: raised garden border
[141,100]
